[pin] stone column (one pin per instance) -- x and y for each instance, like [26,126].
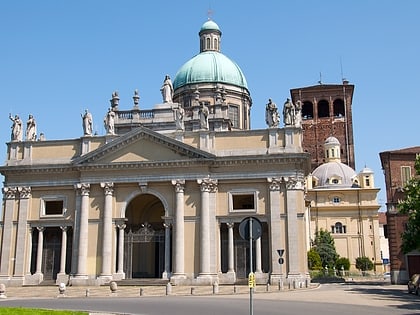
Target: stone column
[63,250]
[83,230]
[207,185]
[22,229]
[9,194]
[120,269]
[294,186]
[231,256]
[167,271]
[277,231]
[29,251]
[39,250]
[179,253]
[107,232]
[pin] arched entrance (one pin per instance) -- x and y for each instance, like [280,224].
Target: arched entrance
[144,241]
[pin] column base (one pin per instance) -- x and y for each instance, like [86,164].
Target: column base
[206,279]
[62,278]
[104,279]
[118,276]
[179,279]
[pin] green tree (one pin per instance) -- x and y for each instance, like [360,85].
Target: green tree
[410,205]
[364,263]
[314,261]
[324,245]
[343,262]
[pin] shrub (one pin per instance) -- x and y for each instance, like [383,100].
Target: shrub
[364,263]
[343,262]
[314,260]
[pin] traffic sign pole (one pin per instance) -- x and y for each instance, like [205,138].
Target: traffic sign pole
[251,289]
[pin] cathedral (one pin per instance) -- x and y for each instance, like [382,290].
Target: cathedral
[164,192]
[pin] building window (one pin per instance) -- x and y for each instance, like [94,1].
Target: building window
[307,110]
[336,199]
[242,201]
[338,228]
[234,115]
[53,206]
[405,175]
[339,107]
[367,181]
[323,109]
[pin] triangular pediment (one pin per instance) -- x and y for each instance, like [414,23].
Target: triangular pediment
[142,145]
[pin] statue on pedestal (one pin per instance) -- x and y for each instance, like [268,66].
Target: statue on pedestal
[31,129]
[87,123]
[167,90]
[271,114]
[16,128]
[288,113]
[204,113]
[109,122]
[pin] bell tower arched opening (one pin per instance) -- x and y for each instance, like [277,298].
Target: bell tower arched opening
[144,241]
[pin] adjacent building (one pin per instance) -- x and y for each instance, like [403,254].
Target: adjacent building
[398,167]
[345,204]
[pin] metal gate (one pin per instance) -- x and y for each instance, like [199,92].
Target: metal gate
[144,252]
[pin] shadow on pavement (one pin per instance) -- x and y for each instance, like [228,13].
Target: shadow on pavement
[395,296]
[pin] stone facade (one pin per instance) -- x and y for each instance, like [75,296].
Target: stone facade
[147,204]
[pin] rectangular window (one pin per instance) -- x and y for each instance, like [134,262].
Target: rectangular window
[234,115]
[53,206]
[405,175]
[242,201]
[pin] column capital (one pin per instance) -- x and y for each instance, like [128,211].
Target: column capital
[179,185]
[24,192]
[108,188]
[207,184]
[10,192]
[41,228]
[64,228]
[275,183]
[167,225]
[84,188]
[230,225]
[121,226]
[295,183]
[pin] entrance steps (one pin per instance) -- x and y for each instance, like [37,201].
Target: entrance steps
[142,282]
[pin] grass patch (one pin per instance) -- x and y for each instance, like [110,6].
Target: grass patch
[35,311]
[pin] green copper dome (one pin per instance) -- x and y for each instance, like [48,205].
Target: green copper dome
[210,26]
[207,67]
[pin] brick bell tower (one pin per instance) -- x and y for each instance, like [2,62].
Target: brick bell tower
[326,111]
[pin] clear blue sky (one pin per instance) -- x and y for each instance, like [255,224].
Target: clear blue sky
[59,57]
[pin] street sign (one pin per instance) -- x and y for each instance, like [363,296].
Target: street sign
[251,280]
[281,259]
[244,231]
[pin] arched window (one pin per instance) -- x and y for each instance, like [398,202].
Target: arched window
[207,43]
[215,44]
[338,228]
[323,109]
[307,110]
[339,111]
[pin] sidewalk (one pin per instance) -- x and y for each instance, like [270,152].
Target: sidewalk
[135,291]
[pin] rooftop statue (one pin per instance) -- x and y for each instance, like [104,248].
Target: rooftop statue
[16,128]
[167,90]
[109,121]
[87,123]
[31,129]
[271,114]
[288,113]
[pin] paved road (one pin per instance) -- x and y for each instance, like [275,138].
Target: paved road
[343,299]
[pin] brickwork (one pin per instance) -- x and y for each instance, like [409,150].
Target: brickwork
[392,163]
[334,119]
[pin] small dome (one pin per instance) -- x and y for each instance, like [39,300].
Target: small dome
[209,26]
[334,174]
[366,170]
[208,67]
[332,141]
